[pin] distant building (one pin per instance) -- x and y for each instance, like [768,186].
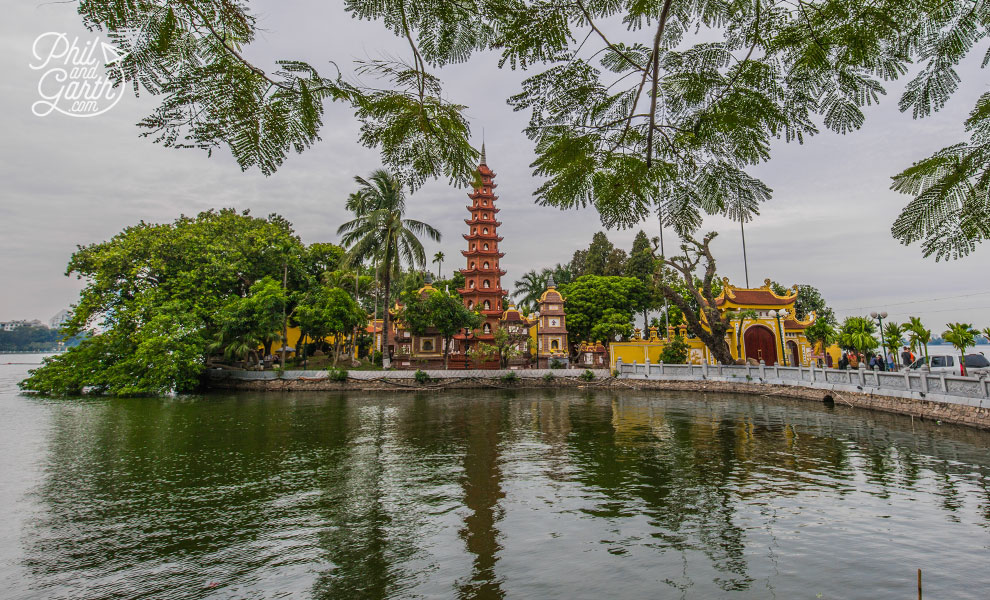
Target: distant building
[58,320]
[12,325]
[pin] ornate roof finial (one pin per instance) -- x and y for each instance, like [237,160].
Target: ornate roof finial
[429,278]
[483,162]
[550,282]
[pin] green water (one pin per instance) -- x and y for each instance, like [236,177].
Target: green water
[476,494]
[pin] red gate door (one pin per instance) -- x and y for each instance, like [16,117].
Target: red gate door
[760,344]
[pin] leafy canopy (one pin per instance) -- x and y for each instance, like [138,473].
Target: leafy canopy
[161,295]
[599,307]
[634,107]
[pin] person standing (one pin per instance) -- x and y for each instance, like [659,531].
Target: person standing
[906,357]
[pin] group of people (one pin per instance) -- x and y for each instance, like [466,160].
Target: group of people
[880,362]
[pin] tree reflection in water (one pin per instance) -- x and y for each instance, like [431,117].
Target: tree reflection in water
[491,495]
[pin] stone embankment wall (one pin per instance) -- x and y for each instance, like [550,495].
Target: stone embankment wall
[404,380]
[921,395]
[937,396]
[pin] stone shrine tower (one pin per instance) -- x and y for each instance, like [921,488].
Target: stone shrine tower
[551,331]
[482,289]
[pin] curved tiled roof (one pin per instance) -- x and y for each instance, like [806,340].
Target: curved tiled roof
[761,296]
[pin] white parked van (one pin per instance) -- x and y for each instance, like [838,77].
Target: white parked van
[949,363]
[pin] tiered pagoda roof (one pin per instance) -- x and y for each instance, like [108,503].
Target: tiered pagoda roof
[482,274]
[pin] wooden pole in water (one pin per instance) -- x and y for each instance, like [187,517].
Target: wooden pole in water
[919,584]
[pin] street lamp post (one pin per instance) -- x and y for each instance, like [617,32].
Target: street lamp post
[880,317]
[780,333]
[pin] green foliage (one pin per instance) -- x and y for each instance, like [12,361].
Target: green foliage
[192,57]
[335,374]
[246,323]
[381,234]
[163,294]
[443,313]
[325,312]
[482,352]
[509,377]
[856,334]
[549,377]
[29,338]
[507,344]
[668,120]
[918,336]
[675,352]
[809,300]
[556,364]
[822,331]
[949,213]
[892,337]
[600,307]
[960,335]
[588,375]
[422,376]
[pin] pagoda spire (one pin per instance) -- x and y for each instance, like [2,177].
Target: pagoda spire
[483,161]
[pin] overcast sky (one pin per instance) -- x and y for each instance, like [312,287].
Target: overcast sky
[69,181]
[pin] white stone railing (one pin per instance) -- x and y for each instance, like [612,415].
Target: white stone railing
[940,387]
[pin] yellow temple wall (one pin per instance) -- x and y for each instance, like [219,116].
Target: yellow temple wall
[640,350]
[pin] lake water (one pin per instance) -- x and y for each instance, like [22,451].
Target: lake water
[485,494]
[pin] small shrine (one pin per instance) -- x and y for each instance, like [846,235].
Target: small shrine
[551,328]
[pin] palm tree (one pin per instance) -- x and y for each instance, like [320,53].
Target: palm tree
[823,332]
[857,334]
[962,336]
[918,335]
[986,333]
[380,232]
[892,334]
[438,260]
[530,288]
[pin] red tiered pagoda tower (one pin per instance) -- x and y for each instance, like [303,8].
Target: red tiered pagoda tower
[483,278]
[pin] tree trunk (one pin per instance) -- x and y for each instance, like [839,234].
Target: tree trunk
[336,349]
[446,352]
[302,348]
[386,360]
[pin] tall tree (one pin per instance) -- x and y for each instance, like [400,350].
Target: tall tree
[822,332]
[961,336]
[598,307]
[856,334]
[918,336]
[529,288]
[596,262]
[642,265]
[157,294]
[892,338]
[443,312]
[380,232]
[438,261]
[703,316]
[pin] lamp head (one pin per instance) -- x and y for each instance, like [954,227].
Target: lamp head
[883,315]
[873,314]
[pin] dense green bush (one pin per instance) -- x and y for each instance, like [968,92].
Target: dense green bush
[556,364]
[509,377]
[587,375]
[676,352]
[422,376]
[549,377]
[335,374]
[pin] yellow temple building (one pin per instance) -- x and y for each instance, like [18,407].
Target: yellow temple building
[775,335]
